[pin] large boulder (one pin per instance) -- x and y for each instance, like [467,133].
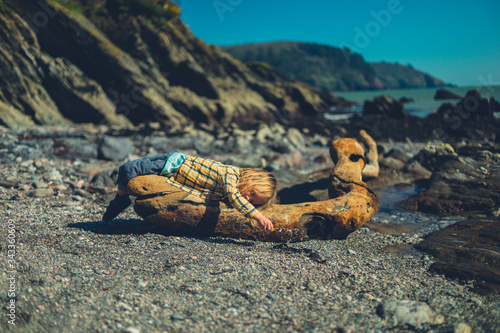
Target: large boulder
[467,250]
[445,94]
[384,107]
[459,186]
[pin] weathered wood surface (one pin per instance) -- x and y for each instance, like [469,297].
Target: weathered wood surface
[372,168]
[352,204]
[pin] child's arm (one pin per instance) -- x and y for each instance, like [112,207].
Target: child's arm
[242,205]
[264,222]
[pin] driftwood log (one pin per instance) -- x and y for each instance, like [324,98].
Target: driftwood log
[352,204]
[372,167]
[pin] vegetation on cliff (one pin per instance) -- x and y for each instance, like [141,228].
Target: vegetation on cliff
[160,11]
[394,75]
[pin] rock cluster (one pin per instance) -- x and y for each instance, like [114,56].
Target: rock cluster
[473,117]
[460,185]
[99,150]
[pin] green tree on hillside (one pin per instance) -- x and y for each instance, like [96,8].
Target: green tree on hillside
[150,8]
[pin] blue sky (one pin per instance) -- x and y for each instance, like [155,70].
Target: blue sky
[456,41]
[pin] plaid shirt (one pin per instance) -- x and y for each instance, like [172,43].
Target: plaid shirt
[212,180]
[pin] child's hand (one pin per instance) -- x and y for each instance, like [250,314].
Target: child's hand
[264,222]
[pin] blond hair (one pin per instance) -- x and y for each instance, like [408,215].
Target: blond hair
[259,182]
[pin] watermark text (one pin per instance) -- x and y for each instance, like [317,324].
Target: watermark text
[11,272]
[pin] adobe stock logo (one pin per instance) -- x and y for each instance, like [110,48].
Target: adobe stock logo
[223,6]
[365,34]
[488,83]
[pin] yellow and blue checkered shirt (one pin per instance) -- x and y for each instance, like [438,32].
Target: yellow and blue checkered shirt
[211,180]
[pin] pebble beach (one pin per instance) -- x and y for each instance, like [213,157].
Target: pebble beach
[75,273]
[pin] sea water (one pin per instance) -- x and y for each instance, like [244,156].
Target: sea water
[423,99]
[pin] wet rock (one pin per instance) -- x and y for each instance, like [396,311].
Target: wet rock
[479,106]
[459,186]
[445,94]
[434,154]
[384,107]
[115,149]
[467,250]
[472,117]
[486,153]
[407,312]
[405,100]
[417,169]
[399,155]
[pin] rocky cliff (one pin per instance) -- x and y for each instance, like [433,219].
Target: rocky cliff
[330,68]
[92,61]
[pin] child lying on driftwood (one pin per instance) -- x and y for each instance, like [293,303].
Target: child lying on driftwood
[207,198]
[206,179]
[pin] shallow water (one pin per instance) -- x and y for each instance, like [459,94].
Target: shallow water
[417,223]
[391,197]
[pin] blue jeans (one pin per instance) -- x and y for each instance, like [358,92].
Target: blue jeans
[149,165]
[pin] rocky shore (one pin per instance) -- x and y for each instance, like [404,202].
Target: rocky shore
[75,273]
[88,85]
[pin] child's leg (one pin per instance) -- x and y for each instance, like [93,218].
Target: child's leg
[143,166]
[116,206]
